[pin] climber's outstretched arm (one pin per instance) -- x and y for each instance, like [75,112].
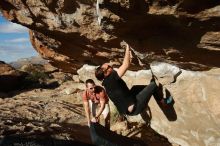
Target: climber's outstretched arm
[126,62]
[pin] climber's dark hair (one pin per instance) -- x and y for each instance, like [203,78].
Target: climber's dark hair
[98,89]
[89,81]
[99,73]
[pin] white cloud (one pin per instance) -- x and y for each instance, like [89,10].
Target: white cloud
[14,47]
[14,52]
[17,40]
[12,28]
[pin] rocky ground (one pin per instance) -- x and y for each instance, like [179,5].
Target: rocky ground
[57,113]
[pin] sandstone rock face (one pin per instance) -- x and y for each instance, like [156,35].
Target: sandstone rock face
[72,33]
[194,116]
[10,78]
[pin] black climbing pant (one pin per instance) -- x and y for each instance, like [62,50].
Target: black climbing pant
[143,97]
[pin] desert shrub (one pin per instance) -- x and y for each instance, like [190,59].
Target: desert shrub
[37,76]
[36,73]
[31,68]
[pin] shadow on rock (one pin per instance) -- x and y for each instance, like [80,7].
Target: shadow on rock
[167,108]
[148,135]
[104,137]
[24,141]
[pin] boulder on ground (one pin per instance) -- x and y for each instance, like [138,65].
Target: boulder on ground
[10,79]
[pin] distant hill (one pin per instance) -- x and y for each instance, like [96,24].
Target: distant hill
[24,61]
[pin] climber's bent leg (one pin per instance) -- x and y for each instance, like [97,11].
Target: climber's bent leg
[143,97]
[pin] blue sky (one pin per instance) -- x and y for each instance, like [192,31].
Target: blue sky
[14,41]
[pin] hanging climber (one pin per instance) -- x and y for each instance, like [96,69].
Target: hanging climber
[126,102]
